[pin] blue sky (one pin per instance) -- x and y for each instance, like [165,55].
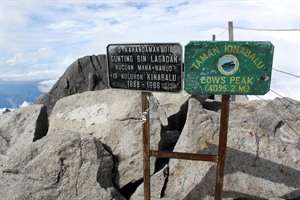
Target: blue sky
[40,39]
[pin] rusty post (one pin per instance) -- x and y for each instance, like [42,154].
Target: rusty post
[230,37]
[146,144]
[186,156]
[222,145]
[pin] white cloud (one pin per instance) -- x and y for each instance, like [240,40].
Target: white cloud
[40,39]
[63,25]
[45,53]
[45,86]
[24,104]
[40,55]
[31,75]
[70,30]
[12,102]
[17,59]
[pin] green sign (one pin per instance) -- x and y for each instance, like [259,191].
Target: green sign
[228,67]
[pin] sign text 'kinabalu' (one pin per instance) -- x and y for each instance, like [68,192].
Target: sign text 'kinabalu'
[228,67]
[145,67]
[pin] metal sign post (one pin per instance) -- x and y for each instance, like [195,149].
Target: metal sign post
[222,145]
[225,103]
[146,144]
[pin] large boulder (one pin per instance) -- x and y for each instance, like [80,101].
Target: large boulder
[85,74]
[262,159]
[279,119]
[114,117]
[21,127]
[63,165]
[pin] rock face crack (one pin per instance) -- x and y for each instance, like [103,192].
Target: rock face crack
[81,163]
[257,139]
[10,171]
[93,64]
[42,124]
[166,174]
[278,126]
[129,118]
[127,190]
[170,134]
[61,172]
[104,156]
[80,68]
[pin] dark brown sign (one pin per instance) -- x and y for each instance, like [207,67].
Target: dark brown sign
[145,67]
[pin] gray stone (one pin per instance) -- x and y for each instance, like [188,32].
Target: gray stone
[21,127]
[280,119]
[85,74]
[114,117]
[64,165]
[175,107]
[171,102]
[260,162]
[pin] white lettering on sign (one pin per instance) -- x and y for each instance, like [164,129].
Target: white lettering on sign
[142,49]
[132,76]
[161,77]
[155,67]
[164,59]
[121,59]
[124,67]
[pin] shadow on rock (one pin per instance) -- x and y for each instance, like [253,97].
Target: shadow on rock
[253,166]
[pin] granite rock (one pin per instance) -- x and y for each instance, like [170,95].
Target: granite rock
[63,165]
[85,74]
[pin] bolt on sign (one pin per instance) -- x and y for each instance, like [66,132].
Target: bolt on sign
[145,67]
[228,67]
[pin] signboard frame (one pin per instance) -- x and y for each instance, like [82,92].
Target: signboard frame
[146,67]
[228,67]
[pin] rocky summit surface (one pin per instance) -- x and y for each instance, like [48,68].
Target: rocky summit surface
[90,147]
